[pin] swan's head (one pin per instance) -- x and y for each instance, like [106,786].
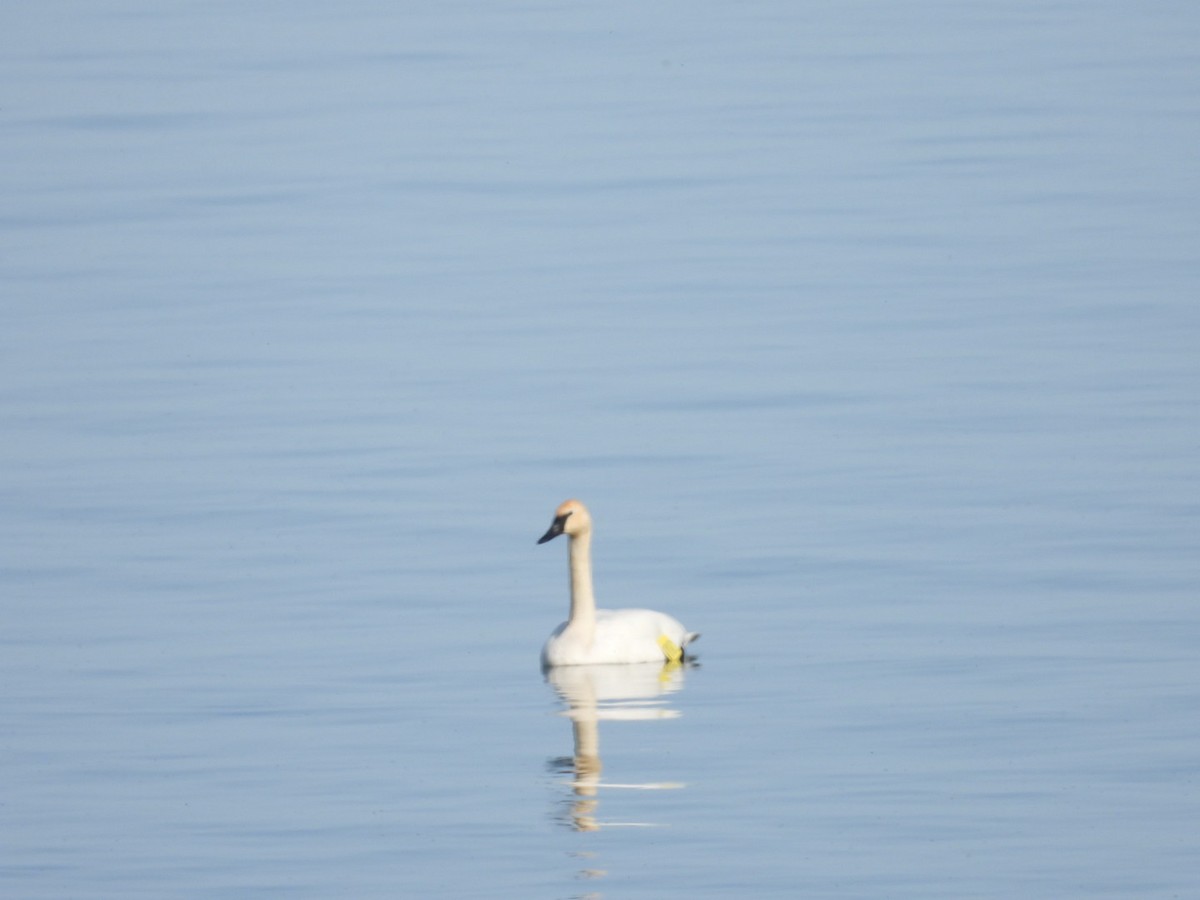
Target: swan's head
[571,519]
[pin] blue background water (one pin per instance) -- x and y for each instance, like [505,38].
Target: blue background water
[868,332]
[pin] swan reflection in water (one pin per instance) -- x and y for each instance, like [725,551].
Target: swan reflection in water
[637,692]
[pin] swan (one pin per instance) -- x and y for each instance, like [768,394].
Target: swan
[592,636]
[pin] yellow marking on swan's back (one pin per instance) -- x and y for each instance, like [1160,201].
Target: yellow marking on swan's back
[671,650]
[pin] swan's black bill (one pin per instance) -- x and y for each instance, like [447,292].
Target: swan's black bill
[555,529]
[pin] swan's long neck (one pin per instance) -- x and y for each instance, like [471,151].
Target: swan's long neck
[583,601]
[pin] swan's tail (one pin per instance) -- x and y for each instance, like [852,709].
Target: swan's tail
[684,653]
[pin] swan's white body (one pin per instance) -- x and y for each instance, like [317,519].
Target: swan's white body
[593,636]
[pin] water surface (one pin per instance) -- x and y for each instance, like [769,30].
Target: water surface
[867,333]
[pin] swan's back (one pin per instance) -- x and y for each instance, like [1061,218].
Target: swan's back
[621,636]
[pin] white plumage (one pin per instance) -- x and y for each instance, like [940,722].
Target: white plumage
[591,636]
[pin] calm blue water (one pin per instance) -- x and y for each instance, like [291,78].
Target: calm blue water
[867,331]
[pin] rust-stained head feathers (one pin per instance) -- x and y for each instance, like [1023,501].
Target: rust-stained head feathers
[571,518]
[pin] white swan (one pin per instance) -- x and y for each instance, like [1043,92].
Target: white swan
[591,636]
